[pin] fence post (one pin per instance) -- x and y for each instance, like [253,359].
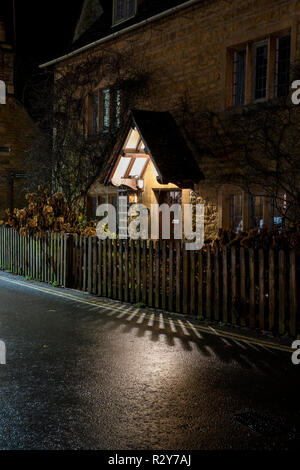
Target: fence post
[178,277]
[243,287]
[208,283]
[271,289]
[89,266]
[171,276]
[282,291]
[185,289]
[68,260]
[200,283]
[252,292]
[261,276]
[234,309]
[293,294]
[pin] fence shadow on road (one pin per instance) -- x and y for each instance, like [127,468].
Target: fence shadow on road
[157,326]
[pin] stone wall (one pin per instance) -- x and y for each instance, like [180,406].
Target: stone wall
[186,57]
[17,132]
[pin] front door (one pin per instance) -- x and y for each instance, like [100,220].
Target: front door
[169,197]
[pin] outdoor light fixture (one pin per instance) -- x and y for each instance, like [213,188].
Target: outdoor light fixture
[132,198]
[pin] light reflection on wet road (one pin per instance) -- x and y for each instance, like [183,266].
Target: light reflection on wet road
[80,377]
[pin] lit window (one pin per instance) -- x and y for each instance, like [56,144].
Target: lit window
[105,110]
[236,212]
[122,167]
[123,10]
[239,76]
[134,140]
[138,167]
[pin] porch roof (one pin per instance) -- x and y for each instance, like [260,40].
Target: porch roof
[165,145]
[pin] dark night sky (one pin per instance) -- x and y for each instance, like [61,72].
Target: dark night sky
[44,29]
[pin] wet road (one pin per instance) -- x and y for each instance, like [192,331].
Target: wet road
[79,376]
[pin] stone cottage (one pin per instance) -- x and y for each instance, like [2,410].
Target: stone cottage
[195,55]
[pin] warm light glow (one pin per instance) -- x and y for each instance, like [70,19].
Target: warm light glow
[122,167]
[133,140]
[138,167]
[132,198]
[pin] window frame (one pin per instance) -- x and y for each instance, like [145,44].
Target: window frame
[232,211]
[270,38]
[95,117]
[277,50]
[105,113]
[126,18]
[235,74]
[255,46]
[252,216]
[95,121]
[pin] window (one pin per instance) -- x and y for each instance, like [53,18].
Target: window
[260,57]
[108,199]
[138,167]
[279,207]
[256,211]
[123,10]
[260,70]
[105,110]
[132,162]
[236,212]
[118,109]
[130,167]
[122,167]
[92,204]
[105,107]
[95,113]
[283,53]
[133,140]
[239,77]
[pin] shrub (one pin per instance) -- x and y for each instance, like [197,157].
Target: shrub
[48,213]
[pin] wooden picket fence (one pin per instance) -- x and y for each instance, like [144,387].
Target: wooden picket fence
[236,285]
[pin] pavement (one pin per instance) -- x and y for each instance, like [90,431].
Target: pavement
[91,373]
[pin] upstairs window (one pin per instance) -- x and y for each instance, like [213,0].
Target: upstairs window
[123,10]
[283,58]
[259,70]
[239,76]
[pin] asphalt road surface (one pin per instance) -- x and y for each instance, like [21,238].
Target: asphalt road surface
[84,373]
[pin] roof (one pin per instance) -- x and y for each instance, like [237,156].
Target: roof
[103,29]
[167,148]
[103,25]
